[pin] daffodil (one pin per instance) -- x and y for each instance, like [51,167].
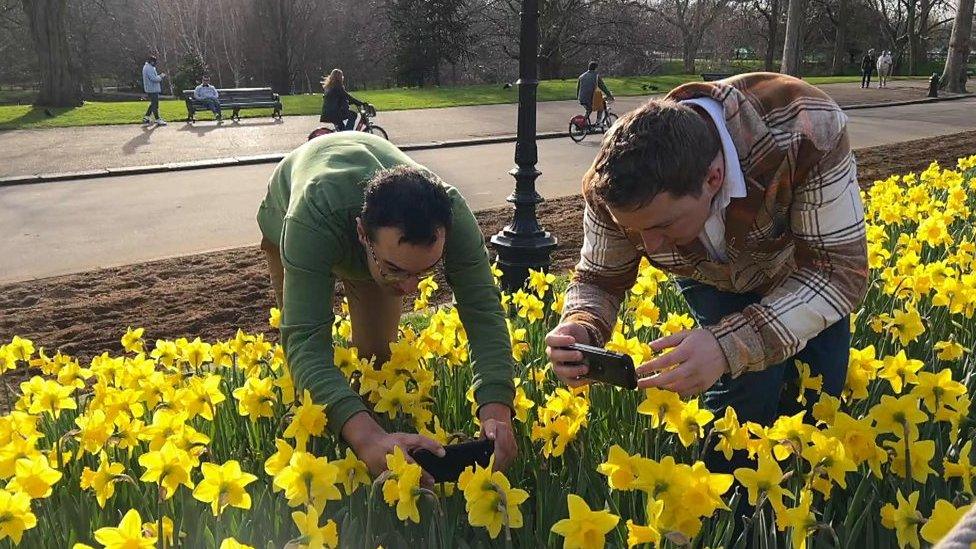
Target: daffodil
[34,477]
[918,453]
[689,423]
[962,468]
[352,472]
[308,480]
[132,340]
[309,421]
[169,467]
[15,515]
[900,370]
[903,519]
[102,480]
[620,468]
[945,515]
[402,488]
[648,533]
[764,479]
[899,416]
[660,404]
[490,500]
[224,485]
[799,519]
[314,536]
[585,528]
[127,535]
[256,398]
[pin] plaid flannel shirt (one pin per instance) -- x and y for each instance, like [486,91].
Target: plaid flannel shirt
[797,238]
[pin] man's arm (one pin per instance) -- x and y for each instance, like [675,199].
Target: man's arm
[353,100]
[154,74]
[306,321]
[606,90]
[479,306]
[606,270]
[827,222]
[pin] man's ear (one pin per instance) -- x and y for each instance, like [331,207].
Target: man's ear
[361,231]
[716,174]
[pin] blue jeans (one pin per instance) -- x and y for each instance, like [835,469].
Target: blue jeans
[765,395]
[213,105]
[153,105]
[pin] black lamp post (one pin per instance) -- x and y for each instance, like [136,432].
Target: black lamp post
[523,244]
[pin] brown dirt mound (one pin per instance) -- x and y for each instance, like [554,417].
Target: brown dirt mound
[212,295]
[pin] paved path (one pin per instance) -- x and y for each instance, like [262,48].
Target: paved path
[61,150]
[64,227]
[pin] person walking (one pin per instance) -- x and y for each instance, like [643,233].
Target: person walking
[867,67]
[151,80]
[335,102]
[208,95]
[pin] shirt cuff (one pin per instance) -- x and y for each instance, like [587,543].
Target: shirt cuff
[592,325]
[742,346]
[495,392]
[339,412]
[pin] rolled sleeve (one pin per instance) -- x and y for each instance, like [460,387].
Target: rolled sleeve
[606,270]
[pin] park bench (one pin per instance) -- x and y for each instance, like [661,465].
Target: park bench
[235,100]
[713,76]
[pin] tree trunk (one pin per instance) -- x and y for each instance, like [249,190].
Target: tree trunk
[46,20]
[791,46]
[922,43]
[954,77]
[689,51]
[910,26]
[773,38]
[840,40]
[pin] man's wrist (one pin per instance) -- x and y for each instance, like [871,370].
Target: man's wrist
[496,410]
[361,428]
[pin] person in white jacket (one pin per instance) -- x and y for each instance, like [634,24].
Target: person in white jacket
[151,85]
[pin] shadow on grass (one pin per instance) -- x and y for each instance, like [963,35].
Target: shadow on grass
[34,116]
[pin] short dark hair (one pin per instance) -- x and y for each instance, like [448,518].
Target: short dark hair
[410,199]
[151,59]
[592,66]
[662,146]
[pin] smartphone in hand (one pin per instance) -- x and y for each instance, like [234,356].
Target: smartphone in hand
[607,367]
[457,458]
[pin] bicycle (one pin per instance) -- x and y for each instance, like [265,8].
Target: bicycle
[580,125]
[363,124]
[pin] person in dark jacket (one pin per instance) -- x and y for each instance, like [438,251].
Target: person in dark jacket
[335,102]
[586,86]
[867,67]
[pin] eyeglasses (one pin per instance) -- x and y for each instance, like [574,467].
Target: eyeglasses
[387,276]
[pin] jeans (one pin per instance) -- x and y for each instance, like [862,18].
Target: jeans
[866,78]
[153,105]
[765,395]
[349,120]
[213,105]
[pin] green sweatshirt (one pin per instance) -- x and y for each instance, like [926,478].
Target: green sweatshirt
[314,197]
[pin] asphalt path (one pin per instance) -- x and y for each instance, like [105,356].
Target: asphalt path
[73,226]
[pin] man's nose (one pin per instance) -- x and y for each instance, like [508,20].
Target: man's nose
[652,241]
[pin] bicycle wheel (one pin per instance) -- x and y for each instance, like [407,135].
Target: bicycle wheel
[376,130]
[608,120]
[577,131]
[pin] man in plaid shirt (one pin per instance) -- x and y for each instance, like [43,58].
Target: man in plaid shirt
[746,191]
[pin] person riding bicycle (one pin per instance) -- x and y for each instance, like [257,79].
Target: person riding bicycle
[587,86]
[336,100]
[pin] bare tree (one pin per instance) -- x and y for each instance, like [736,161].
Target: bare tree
[954,76]
[692,19]
[46,21]
[791,47]
[770,11]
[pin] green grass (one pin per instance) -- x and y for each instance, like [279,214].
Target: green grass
[95,113]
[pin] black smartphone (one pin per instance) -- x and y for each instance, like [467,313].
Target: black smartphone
[607,367]
[457,458]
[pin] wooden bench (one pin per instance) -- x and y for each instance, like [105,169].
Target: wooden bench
[713,76]
[235,100]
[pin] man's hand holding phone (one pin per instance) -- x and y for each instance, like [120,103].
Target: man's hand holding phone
[566,363]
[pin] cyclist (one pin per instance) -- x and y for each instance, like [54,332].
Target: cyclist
[587,86]
[336,100]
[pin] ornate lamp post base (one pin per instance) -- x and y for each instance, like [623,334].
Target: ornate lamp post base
[523,244]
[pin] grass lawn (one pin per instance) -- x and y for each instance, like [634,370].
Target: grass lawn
[130,112]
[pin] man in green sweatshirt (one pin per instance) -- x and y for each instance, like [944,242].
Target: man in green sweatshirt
[353,207]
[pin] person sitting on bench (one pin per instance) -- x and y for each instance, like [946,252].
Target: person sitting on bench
[207,94]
